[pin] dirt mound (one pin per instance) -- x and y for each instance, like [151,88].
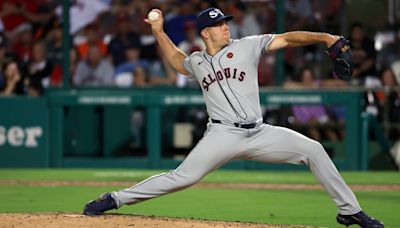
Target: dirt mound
[112,220]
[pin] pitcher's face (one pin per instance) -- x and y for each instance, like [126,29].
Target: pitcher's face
[219,33]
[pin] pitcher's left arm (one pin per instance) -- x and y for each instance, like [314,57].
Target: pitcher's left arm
[301,38]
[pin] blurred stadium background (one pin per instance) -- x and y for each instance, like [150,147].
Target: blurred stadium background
[83,83]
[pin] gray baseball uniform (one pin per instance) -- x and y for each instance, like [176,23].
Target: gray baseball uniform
[235,131]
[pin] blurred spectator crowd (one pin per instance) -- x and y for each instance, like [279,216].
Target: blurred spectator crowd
[111,46]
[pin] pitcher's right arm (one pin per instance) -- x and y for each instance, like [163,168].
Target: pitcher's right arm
[173,54]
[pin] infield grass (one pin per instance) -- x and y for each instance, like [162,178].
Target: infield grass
[302,207]
[221,176]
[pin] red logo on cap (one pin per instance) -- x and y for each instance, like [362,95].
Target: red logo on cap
[229,55]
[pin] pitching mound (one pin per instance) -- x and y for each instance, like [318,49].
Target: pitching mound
[77,220]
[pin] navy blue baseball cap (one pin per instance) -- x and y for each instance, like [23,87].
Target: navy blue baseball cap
[210,17]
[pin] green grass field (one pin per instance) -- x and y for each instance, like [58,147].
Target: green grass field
[301,207]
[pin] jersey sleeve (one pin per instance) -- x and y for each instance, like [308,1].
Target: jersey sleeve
[265,41]
[188,66]
[258,44]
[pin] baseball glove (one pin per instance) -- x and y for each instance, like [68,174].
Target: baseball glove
[342,60]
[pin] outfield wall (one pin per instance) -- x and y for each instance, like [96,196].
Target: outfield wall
[86,128]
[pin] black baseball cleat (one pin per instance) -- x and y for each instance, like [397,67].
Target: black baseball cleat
[361,219]
[98,206]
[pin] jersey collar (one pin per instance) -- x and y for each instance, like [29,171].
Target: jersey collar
[208,56]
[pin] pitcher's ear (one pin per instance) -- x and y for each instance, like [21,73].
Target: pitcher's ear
[204,33]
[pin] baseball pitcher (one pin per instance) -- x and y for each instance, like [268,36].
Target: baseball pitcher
[227,74]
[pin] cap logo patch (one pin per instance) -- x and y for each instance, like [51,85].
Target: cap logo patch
[214,13]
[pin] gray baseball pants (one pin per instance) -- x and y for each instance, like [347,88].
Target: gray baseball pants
[265,143]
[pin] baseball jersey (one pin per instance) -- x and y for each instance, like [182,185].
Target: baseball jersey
[229,79]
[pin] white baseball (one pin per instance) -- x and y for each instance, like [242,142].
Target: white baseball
[153,16]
